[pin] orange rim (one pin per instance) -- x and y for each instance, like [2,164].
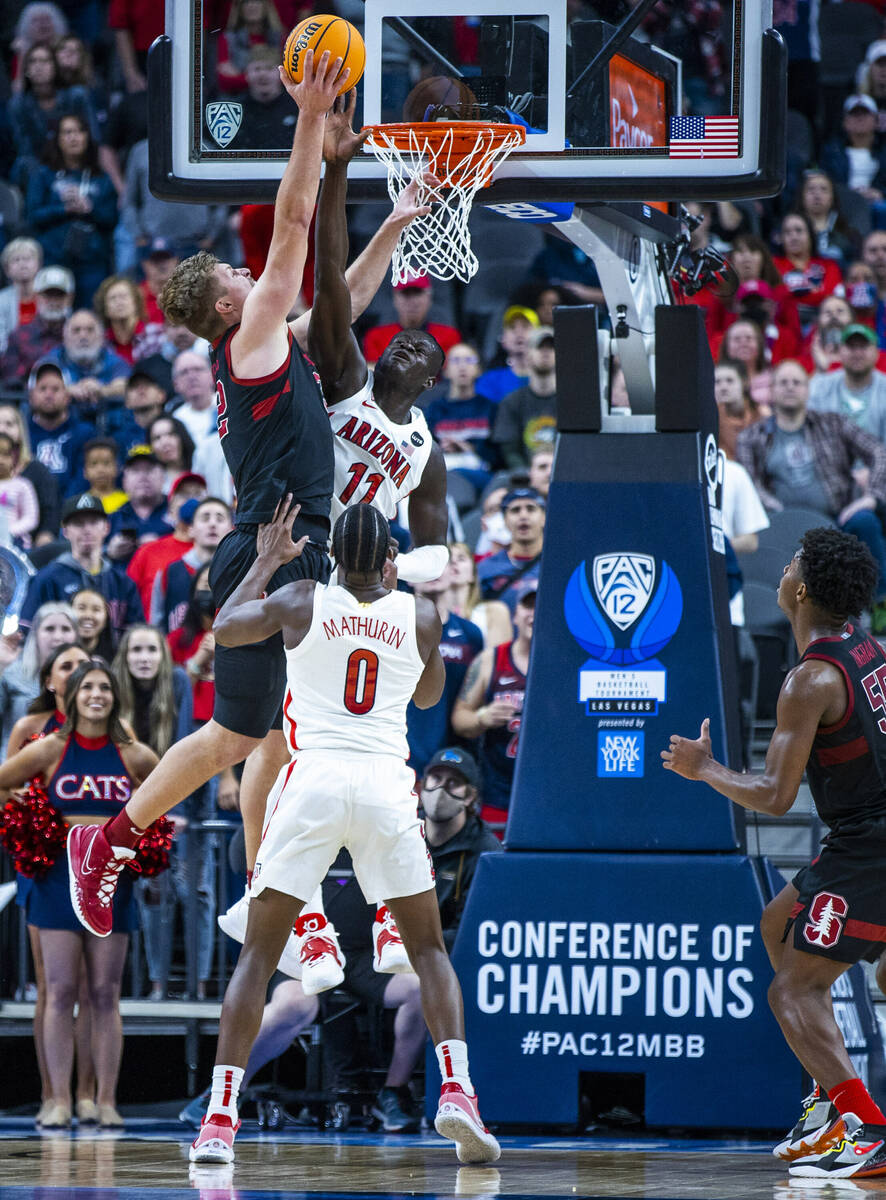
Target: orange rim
[458,140]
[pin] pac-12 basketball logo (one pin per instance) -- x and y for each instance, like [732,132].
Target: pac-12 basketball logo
[631,615]
[223,119]
[825,924]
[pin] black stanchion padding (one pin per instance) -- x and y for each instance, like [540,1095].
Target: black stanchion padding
[684,371]
[579,403]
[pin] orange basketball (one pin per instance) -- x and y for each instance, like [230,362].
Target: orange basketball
[320,33]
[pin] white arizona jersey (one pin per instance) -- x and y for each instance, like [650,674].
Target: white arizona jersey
[376,461]
[349,682]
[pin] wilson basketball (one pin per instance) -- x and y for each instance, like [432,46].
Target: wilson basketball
[320,33]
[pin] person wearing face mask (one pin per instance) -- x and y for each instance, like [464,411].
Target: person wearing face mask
[454,831]
[27,345]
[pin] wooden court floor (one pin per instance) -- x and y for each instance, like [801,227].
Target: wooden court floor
[150,1161]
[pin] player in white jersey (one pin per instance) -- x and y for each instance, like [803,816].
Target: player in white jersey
[384,450]
[356,654]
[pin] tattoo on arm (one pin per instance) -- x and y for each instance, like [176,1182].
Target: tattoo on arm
[471,679]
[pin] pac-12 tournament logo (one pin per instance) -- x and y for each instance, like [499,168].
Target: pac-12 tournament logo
[223,119]
[631,615]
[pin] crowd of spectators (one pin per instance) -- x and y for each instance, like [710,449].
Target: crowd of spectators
[112,479]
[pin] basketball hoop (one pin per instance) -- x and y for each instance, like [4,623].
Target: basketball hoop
[463,156]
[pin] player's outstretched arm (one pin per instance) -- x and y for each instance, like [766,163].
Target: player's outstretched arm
[269,302]
[366,273]
[806,696]
[428,525]
[429,630]
[331,344]
[247,615]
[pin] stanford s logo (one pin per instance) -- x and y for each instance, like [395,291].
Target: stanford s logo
[825,924]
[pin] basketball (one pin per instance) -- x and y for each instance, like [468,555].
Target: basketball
[440,98]
[320,33]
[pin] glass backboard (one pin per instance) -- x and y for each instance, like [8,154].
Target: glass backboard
[670,112]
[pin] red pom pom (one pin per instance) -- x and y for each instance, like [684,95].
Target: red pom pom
[152,852]
[33,831]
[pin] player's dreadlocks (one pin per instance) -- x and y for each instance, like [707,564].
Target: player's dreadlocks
[839,571]
[360,539]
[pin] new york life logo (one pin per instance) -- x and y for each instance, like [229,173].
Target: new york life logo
[620,754]
[631,615]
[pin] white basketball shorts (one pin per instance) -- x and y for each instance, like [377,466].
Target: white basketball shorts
[323,800]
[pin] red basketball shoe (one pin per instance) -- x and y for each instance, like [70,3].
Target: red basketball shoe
[458,1118]
[388,952]
[215,1141]
[94,866]
[321,957]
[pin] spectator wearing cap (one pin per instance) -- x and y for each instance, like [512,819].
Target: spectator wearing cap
[173,340]
[152,557]
[211,520]
[20,260]
[57,436]
[121,306]
[461,420]
[450,800]
[871,79]
[858,391]
[101,467]
[96,374]
[490,707]
[508,369]
[800,457]
[144,399]
[143,517]
[775,316]
[85,525]
[149,221]
[501,576]
[268,118]
[808,277]
[858,159]
[753,264]
[157,266]
[527,418]
[194,401]
[54,297]
[460,642]
[412,303]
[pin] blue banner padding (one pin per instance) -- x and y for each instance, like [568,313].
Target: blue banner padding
[627,649]
[638,964]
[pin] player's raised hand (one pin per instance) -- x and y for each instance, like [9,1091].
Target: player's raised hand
[687,757]
[320,83]
[413,201]
[274,541]
[340,143]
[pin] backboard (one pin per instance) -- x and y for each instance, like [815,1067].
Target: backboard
[664,113]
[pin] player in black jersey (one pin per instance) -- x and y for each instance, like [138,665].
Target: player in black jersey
[831,722]
[275,433]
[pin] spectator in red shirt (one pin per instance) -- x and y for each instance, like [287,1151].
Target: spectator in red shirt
[807,276]
[136,23]
[20,261]
[151,558]
[251,23]
[158,265]
[120,304]
[412,301]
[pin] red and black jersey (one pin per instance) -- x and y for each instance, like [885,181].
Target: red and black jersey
[498,748]
[276,438]
[847,766]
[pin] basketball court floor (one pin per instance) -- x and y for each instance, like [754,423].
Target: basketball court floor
[151,1160]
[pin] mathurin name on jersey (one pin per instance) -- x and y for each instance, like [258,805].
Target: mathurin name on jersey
[364,627]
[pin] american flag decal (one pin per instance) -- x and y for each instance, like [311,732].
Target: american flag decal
[407,448]
[703,137]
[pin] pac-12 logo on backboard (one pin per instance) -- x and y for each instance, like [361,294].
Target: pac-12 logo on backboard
[223,119]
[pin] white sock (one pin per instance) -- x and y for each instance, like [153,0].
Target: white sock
[452,1057]
[225,1089]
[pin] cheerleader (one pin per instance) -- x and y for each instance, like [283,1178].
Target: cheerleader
[92,766]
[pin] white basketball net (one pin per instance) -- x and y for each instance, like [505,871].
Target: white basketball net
[439,244]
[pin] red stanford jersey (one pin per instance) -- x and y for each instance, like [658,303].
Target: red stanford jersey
[275,434]
[847,766]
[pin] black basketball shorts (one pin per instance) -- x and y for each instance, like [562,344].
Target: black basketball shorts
[250,681]
[840,912]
